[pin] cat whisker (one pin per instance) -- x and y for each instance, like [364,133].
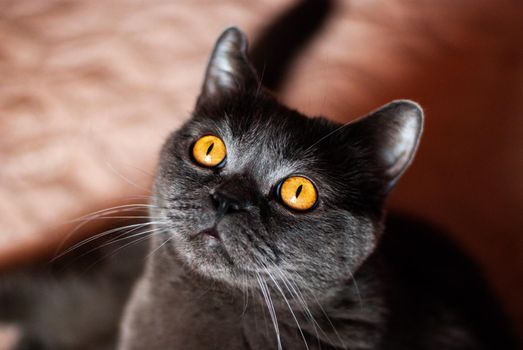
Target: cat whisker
[327,136]
[270,306]
[330,322]
[133,227]
[299,296]
[313,319]
[124,236]
[296,293]
[150,233]
[117,208]
[123,177]
[145,172]
[260,81]
[99,214]
[122,217]
[358,294]
[160,246]
[246,299]
[288,305]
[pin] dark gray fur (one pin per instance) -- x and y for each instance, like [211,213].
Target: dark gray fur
[335,279]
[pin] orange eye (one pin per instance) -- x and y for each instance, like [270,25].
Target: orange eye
[298,192]
[209,151]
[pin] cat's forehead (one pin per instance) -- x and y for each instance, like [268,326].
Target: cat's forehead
[269,148]
[262,151]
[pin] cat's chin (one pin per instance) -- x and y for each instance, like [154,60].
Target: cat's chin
[206,254]
[224,274]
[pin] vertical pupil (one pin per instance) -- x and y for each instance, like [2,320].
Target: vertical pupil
[209,149]
[298,190]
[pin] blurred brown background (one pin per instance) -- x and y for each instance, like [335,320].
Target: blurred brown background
[89,89]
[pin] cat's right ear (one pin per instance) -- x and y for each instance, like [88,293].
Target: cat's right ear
[389,136]
[229,70]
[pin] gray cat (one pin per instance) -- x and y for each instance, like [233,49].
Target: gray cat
[272,234]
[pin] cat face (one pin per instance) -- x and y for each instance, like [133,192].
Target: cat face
[252,189]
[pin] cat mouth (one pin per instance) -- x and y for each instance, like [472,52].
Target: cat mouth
[210,236]
[210,248]
[211,255]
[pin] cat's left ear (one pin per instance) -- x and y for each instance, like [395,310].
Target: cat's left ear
[390,136]
[229,70]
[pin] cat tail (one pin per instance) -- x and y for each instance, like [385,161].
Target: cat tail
[280,43]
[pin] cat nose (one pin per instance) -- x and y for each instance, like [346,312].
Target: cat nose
[234,194]
[225,203]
